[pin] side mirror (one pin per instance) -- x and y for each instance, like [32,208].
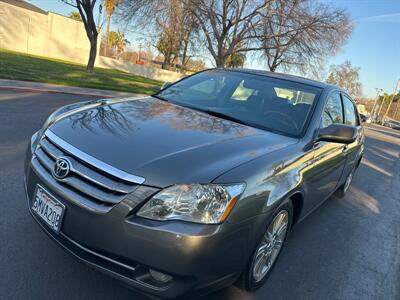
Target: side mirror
[165,85]
[338,133]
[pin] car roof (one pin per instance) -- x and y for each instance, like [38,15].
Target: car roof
[293,78]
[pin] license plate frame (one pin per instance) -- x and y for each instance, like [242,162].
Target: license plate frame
[43,202]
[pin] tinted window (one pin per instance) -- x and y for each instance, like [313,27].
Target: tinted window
[258,101]
[349,112]
[333,112]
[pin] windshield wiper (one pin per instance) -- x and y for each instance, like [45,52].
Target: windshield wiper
[160,98]
[224,116]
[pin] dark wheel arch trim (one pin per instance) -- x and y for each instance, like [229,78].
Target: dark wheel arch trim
[297,200]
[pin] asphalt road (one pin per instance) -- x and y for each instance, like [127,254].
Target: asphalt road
[347,249]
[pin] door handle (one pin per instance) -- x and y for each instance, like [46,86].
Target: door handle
[345,148]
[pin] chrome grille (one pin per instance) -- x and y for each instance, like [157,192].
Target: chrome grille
[95,185]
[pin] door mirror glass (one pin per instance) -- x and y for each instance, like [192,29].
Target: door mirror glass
[338,133]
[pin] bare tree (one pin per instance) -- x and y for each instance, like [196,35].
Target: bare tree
[169,39]
[85,8]
[228,26]
[189,34]
[290,33]
[302,33]
[347,77]
[169,25]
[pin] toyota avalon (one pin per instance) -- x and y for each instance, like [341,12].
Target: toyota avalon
[195,187]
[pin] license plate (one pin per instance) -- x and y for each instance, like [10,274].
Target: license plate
[48,208]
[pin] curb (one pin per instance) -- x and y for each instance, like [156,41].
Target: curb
[28,89]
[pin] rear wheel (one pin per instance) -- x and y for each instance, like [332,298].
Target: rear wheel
[268,248]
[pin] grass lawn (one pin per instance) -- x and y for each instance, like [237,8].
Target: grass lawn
[20,66]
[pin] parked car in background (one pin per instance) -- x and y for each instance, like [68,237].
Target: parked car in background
[364,118]
[197,186]
[394,124]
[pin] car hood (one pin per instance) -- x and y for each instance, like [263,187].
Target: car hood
[163,142]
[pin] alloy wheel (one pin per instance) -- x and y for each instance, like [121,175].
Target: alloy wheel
[270,246]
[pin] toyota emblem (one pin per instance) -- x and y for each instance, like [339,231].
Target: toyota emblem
[61,168]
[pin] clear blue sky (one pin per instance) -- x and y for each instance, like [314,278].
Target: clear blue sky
[374,45]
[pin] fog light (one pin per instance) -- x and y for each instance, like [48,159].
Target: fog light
[160,276]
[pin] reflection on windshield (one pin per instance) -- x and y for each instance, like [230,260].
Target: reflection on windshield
[261,101]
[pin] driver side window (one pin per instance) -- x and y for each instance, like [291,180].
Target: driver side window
[333,111]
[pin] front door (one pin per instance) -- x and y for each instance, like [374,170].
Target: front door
[329,158]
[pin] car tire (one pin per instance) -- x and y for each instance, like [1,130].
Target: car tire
[342,190]
[248,280]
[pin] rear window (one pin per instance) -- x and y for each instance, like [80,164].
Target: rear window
[350,112]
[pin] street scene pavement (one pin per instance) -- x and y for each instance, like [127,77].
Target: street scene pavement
[347,249]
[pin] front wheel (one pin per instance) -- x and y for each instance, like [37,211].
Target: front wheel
[268,248]
[345,186]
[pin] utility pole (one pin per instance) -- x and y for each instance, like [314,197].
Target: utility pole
[373,111]
[398,100]
[380,108]
[391,101]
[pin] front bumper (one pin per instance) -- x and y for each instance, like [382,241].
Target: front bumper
[199,257]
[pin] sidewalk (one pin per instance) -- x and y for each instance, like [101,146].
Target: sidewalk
[54,88]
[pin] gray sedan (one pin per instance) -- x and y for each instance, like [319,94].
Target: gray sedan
[198,186]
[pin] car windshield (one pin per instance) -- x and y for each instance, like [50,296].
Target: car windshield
[272,104]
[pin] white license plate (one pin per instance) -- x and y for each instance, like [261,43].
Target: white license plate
[48,208]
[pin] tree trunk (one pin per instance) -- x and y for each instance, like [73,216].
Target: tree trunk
[273,68]
[167,62]
[107,32]
[220,62]
[184,56]
[166,65]
[92,55]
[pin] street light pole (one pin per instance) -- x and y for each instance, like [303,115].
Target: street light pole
[391,101]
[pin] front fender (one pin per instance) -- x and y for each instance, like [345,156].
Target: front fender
[269,180]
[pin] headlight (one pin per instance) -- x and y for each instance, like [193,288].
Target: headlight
[208,204]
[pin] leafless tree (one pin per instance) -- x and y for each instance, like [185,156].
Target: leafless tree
[229,26]
[169,25]
[85,8]
[290,33]
[347,77]
[300,34]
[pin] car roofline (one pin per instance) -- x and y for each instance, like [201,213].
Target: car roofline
[282,76]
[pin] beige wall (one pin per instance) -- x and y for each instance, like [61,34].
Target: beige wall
[45,34]
[52,35]
[153,73]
